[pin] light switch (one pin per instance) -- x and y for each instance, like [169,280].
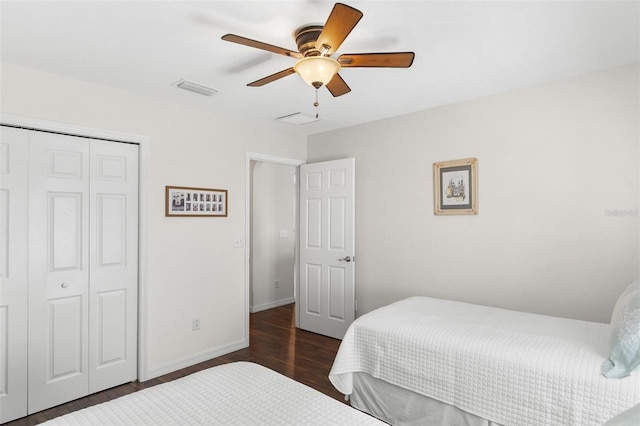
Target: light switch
[284,233]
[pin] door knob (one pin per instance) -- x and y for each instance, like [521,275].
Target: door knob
[64,285]
[345,259]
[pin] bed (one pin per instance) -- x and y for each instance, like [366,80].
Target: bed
[431,361]
[239,393]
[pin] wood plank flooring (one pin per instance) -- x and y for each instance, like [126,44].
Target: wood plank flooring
[274,342]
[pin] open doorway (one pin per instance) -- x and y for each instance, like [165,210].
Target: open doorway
[334,179]
[265,158]
[272,235]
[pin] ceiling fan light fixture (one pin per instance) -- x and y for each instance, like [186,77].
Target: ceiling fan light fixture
[316,43]
[317,71]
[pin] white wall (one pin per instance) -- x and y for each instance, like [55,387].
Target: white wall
[557,230]
[192,268]
[272,258]
[556,162]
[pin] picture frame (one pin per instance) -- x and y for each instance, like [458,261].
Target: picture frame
[195,202]
[455,187]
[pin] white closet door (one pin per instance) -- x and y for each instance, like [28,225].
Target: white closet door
[113,264]
[58,269]
[14,150]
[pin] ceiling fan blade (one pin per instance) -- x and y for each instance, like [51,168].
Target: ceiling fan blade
[260,45]
[337,86]
[382,60]
[341,21]
[272,77]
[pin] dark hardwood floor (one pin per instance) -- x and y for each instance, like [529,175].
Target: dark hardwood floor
[274,342]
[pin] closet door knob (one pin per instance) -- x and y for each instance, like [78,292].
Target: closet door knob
[64,285]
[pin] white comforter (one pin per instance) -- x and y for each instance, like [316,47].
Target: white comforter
[240,393]
[509,367]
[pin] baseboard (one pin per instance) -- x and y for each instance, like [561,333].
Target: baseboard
[270,305]
[194,359]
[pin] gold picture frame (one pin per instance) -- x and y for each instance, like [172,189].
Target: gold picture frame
[455,187]
[195,202]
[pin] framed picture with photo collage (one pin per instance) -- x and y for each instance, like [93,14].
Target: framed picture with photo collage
[201,202]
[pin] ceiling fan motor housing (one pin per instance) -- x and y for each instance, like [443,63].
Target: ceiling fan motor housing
[306,37]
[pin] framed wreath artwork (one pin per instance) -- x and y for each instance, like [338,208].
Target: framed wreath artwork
[455,187]
[187,201]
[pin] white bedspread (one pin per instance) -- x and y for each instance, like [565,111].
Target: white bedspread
[239,393]
[509,367]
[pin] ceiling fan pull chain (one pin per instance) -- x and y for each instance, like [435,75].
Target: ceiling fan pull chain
[316,103]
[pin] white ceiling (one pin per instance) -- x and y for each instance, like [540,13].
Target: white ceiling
[464,50]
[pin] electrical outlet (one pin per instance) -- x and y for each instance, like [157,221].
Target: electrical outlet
[195,324]
[277,283]
[238,241]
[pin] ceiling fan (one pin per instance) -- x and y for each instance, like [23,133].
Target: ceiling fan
[316,44]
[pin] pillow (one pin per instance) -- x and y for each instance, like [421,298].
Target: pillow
[624,356]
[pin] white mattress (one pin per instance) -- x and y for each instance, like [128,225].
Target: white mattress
[508,367]
[239,393]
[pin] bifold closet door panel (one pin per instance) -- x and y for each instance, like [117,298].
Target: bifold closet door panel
[113,253]
[14,227]
[68,268]
[58,269]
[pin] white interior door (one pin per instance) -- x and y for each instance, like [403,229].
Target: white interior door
[14,156]
[327,252]
[113,264]
[58,269]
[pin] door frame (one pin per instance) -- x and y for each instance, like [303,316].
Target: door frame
[265,158]
[143,144]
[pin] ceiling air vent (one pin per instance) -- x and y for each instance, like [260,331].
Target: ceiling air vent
[297,118]
[196,87]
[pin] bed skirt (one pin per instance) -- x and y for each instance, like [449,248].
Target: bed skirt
[401,407]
